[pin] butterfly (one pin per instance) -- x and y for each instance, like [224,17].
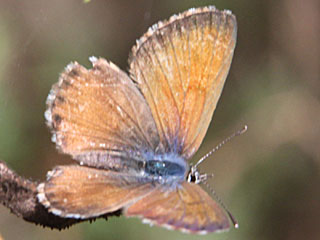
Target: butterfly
[133,135]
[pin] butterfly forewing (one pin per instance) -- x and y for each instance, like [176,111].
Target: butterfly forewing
[181,66]
[99,116]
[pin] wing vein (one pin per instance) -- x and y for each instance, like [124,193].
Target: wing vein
[153,100]
[166,78]
[208,75]
[135,123]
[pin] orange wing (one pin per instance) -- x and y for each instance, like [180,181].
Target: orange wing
[82,192]
[187,208]
[180,66]
[100,117]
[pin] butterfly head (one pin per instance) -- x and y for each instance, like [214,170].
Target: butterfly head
[196,177]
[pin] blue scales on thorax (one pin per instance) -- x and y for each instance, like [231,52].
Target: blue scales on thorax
[166,167]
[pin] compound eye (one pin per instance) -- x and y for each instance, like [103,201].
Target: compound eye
[191,177]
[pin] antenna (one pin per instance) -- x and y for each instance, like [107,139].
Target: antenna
[233,220]
[238,133]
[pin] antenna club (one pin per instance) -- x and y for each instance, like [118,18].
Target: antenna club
[233,220]
[244,129]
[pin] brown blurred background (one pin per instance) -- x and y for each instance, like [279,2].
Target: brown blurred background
[269,178]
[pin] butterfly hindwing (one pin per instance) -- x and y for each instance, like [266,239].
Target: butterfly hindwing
[82,192]
[186,207]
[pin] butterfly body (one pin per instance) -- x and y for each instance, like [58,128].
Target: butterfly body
[133,135]
[167,167]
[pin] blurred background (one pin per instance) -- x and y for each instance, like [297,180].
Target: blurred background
[269,177]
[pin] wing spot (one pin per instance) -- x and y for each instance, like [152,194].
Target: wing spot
[60,99]
[65,83]
[57,119]
[74,73]
[97,68]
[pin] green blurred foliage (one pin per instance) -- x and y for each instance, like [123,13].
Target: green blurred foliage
[269,177]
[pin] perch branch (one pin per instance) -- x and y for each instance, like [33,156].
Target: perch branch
[19,195]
